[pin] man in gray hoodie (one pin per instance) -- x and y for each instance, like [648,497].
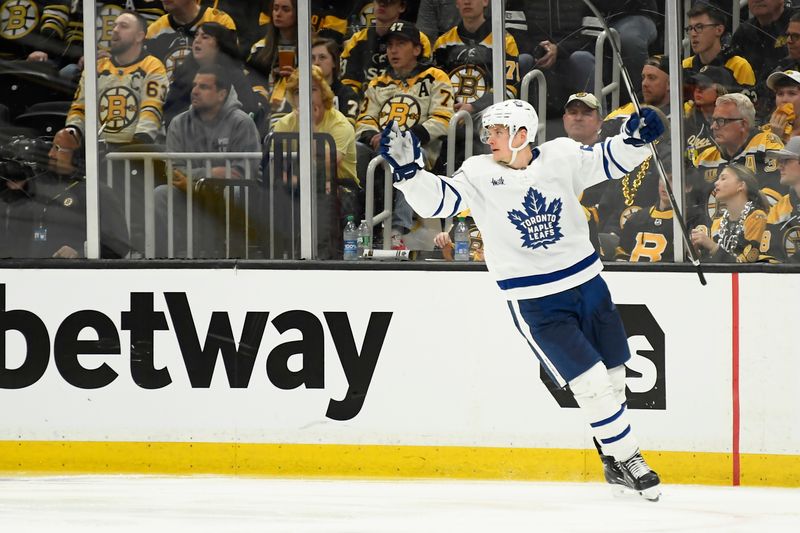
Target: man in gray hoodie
[213,123]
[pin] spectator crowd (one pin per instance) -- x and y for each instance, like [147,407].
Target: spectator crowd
[217,76]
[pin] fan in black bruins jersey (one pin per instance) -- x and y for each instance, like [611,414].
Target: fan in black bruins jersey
[647,235]
[21,31]
[739,141]
[131,87]
[465,53]
[364,54]
[65,18]
[782,239]
[170,37]
[417,96]
[737,234]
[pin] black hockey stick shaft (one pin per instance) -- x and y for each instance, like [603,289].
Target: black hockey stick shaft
[626,77]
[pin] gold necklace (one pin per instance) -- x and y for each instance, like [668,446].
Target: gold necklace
[630,192]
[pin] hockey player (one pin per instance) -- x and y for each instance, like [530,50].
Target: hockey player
[536,245]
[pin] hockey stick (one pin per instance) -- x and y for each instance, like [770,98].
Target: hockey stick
[659,165]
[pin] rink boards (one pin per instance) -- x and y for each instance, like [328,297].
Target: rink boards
[381,374]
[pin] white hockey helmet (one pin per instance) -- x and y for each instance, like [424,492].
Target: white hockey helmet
[514,115]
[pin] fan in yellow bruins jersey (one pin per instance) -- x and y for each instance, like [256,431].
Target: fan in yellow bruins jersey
[417,96]
[465,52]
[736,235]
[131,87]
[739,141]
[170,37]
[782,239]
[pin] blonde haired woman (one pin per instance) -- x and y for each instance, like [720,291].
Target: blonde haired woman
[326,119]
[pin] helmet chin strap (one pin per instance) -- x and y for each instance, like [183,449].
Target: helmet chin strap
[516,150]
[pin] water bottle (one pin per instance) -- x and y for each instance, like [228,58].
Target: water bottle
[364,239]
[350,240]
[461,252]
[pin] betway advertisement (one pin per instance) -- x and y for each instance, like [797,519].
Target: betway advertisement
[344,357]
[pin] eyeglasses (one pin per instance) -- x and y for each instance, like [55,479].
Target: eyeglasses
[723,121]
[59,148]
[792,37]
[697,28]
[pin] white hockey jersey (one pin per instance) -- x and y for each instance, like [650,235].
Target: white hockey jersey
[536,240]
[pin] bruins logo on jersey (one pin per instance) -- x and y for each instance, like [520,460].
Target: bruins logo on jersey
[469,83]
[403,109]
[713,209]
[791,240]
[627,213]
[119,108]
[179,50]
[367,15]
[19,18]
[106,16]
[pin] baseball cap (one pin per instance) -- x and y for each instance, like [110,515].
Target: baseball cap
[790,151]
[777,77]
[587,98]
[659,61]
[406,30]
[710,74]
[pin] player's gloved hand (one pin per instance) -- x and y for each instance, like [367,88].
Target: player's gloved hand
[644,129]
[402,151]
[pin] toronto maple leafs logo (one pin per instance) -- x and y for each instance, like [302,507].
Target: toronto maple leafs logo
[539,223]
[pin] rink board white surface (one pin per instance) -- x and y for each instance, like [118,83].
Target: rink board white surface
[452,371]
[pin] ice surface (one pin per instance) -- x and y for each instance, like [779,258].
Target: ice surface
[234,504]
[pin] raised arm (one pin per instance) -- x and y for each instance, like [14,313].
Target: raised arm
[430,195]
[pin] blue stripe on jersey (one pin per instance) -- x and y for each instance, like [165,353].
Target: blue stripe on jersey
[444,196]
[615,438]
[550,277]
[611,155]
[605,160]
[610,418]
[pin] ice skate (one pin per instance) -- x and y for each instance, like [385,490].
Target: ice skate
[611,470]
[638,478]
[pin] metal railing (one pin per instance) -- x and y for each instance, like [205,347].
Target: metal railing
[148,159]
[541,106]
[369,202]
[613,88]
[458,117]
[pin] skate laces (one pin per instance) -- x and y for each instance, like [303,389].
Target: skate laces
[636,465]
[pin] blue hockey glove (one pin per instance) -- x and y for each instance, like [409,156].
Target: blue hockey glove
[644,129]
[402,151]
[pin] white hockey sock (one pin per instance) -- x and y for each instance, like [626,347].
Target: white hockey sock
[608,418]
[617,375]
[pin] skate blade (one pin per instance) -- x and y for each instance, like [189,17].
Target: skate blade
[653,494]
